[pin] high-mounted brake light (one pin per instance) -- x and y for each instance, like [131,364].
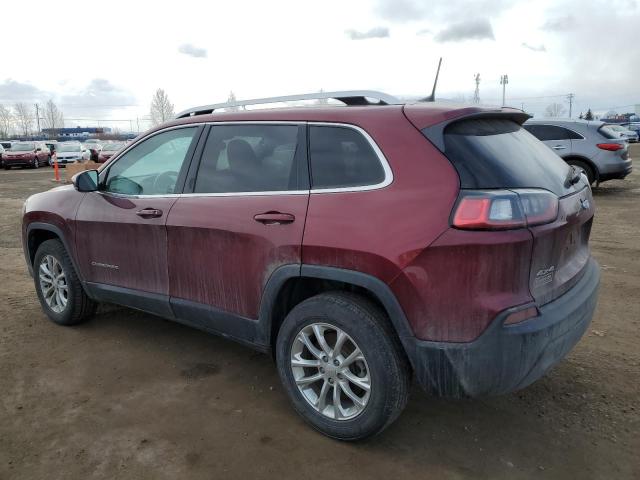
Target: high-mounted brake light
[504,209]
[612,147]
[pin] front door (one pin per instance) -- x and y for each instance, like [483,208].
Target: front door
[121,234]
[243,219]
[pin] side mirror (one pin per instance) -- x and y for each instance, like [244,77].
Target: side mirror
[38,149]
[86,181]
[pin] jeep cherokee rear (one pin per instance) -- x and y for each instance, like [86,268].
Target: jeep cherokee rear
[359,244]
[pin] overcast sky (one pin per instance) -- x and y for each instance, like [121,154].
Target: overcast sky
[104,60]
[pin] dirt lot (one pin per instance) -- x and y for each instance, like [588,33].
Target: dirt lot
[128,395]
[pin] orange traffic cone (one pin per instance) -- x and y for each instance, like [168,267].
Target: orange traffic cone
[56,172]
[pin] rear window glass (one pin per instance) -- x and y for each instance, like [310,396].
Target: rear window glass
[607,132]
[342,157]
[495,153]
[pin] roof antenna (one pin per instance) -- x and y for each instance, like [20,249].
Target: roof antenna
[432,97]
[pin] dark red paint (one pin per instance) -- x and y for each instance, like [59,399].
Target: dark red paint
[220,251]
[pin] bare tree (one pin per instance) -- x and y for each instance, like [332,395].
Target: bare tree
[555,110]
[232,98]
[6,121]
[24,117]
[161,108]
[53,118]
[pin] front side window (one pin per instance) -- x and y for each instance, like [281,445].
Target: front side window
[342,157]
[152,166]
[251,158]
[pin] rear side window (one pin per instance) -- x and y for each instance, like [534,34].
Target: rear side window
[252,158]
[496,153]
[342,157]
[548,132]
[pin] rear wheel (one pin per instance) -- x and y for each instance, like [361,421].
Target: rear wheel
[585,168]
[59,290]
[342,365]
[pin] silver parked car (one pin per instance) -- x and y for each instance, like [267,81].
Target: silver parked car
[589,145]
[629,135]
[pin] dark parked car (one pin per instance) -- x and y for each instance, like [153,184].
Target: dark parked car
[360,245]
[26,154]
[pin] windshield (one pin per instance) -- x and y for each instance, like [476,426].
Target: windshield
[112,147]
[617,128]
[23,146]
[69,148]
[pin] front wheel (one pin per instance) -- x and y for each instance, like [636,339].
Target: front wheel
[342,365]
[58,287]
[36,163]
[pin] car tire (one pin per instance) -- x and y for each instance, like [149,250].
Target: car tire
[66,306]
[585,167]
[384,367]
[7,167]
[36,163]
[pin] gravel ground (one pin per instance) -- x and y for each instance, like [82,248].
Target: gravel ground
[129,395]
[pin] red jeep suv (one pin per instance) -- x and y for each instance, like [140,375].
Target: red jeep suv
[362,245]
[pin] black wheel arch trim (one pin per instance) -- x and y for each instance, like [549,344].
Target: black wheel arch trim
[374,285]
[586,160]
[58,232]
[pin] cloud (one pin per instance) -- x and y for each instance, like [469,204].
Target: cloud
[375,32]
[478,29]
[424,31]
[192,50]
[99,92]
[438,10]
[535,48]
[560,24]
[12,91]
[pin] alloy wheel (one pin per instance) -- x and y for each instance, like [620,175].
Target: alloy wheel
[53,283]
[330,371]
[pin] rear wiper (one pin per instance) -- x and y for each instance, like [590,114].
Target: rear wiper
[573,176]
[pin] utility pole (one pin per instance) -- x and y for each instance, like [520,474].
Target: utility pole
[570,98]
[38,117]
[476,94]
[504,79]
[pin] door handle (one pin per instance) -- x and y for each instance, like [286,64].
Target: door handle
[149,213]
[559,147]
[274,218]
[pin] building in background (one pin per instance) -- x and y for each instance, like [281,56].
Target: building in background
[75,133]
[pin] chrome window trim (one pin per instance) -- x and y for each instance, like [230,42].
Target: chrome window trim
[388,173]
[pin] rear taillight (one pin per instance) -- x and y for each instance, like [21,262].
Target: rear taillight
[504,209]
[612,147]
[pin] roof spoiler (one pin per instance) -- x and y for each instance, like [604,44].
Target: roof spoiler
[435,133]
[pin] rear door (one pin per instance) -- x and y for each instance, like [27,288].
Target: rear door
[556,138]
[243,218]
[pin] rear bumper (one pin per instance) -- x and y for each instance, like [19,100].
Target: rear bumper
[617,171]
[508,358]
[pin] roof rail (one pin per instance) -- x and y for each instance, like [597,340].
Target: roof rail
[349,97]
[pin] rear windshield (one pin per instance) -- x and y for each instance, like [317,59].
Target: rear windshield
[496,153]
